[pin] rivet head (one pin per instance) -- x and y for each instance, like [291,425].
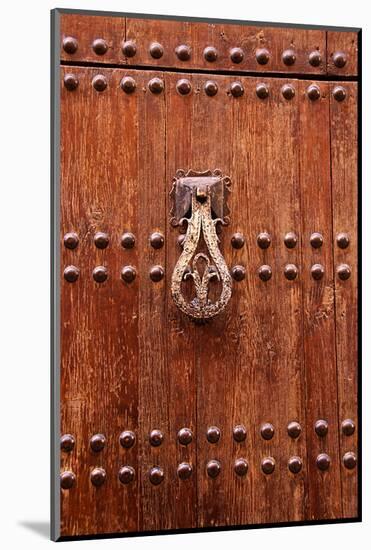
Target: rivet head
[99,83]
[291,272]
[97,443]
[343,272]
[183,86]
[350,460]
[127,439]
[67,480]
[127,240]
[128,274]
[157,240]
[100,46]
[156,475]
[294,429]
[126,474]
[100,274]
[213,434]
[343,240]
[184,471]
[128,48]
[290,239]
[185,436]
[289,57]
[321,428]
[70,82]
[156,50]
[317,271]
[316,240]
[98,477]
[211,88]
[267,431]
[67,443]
[267,465]
[339,93]
[183,52]
[210,54]
[262,56]
[295,464]
[241,467]
[237,240]
[340,59]
[156,85]
[313,92]
[101,240]
[156,437]
[71,274]
[156,273]
[262,91]
[288,91]
[213,468]
[70,240]
[323,461]
[238,272]
[348,427]
[236,55]
[70,45]
[264,240]
[239,433]
[265,272]
[237,89]
[128,84]
[315,58]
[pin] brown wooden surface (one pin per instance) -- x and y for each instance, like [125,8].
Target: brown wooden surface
[346,42]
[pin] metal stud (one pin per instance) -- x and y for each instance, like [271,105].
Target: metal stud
[241,467]
[262,91]
[127,240]
[295,464]
[237,240]
[126,474]
[239,433]
[183,52]
[213,434]
[156,437]
[290,239]
[127,439]
[323,461]
[70,45]
[100,46]
[156,85]
[185,436]
[156,475]
[343,240]
[289,57]
[128,84]
[291,272]
[321,428]
[128,273]
[156,50]
[339,93]
[70,82]
[236,55]
[100,274]
[315,58]
[67,480]
[264,240]
[67,443]
[157,240]
[350,460]
[238,272]
[265,272]
[348,427]
[343,272]
[128,48]
[98,477]
[97,443]
[210,54]
[70,240]
[237,89]
[156,273]
[71,274]
[99,83]
[316,240]
[211,88]
[340,59]
[101,240]
[262,56]
[317,271]
[184,471]
[313,92]
[288,91]
[183,86]
[294,429]
[267,431]
[267,465]
[213,468]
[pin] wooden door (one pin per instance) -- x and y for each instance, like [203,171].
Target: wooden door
[171,421]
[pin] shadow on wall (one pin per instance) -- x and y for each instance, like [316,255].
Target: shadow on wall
[41,528]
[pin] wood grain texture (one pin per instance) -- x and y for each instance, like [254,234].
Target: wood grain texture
[348,43]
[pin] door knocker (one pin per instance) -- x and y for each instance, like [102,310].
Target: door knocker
[199,202]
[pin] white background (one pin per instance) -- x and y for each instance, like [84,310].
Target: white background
[25,262]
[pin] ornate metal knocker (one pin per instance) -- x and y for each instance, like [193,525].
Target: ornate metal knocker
[199,201]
